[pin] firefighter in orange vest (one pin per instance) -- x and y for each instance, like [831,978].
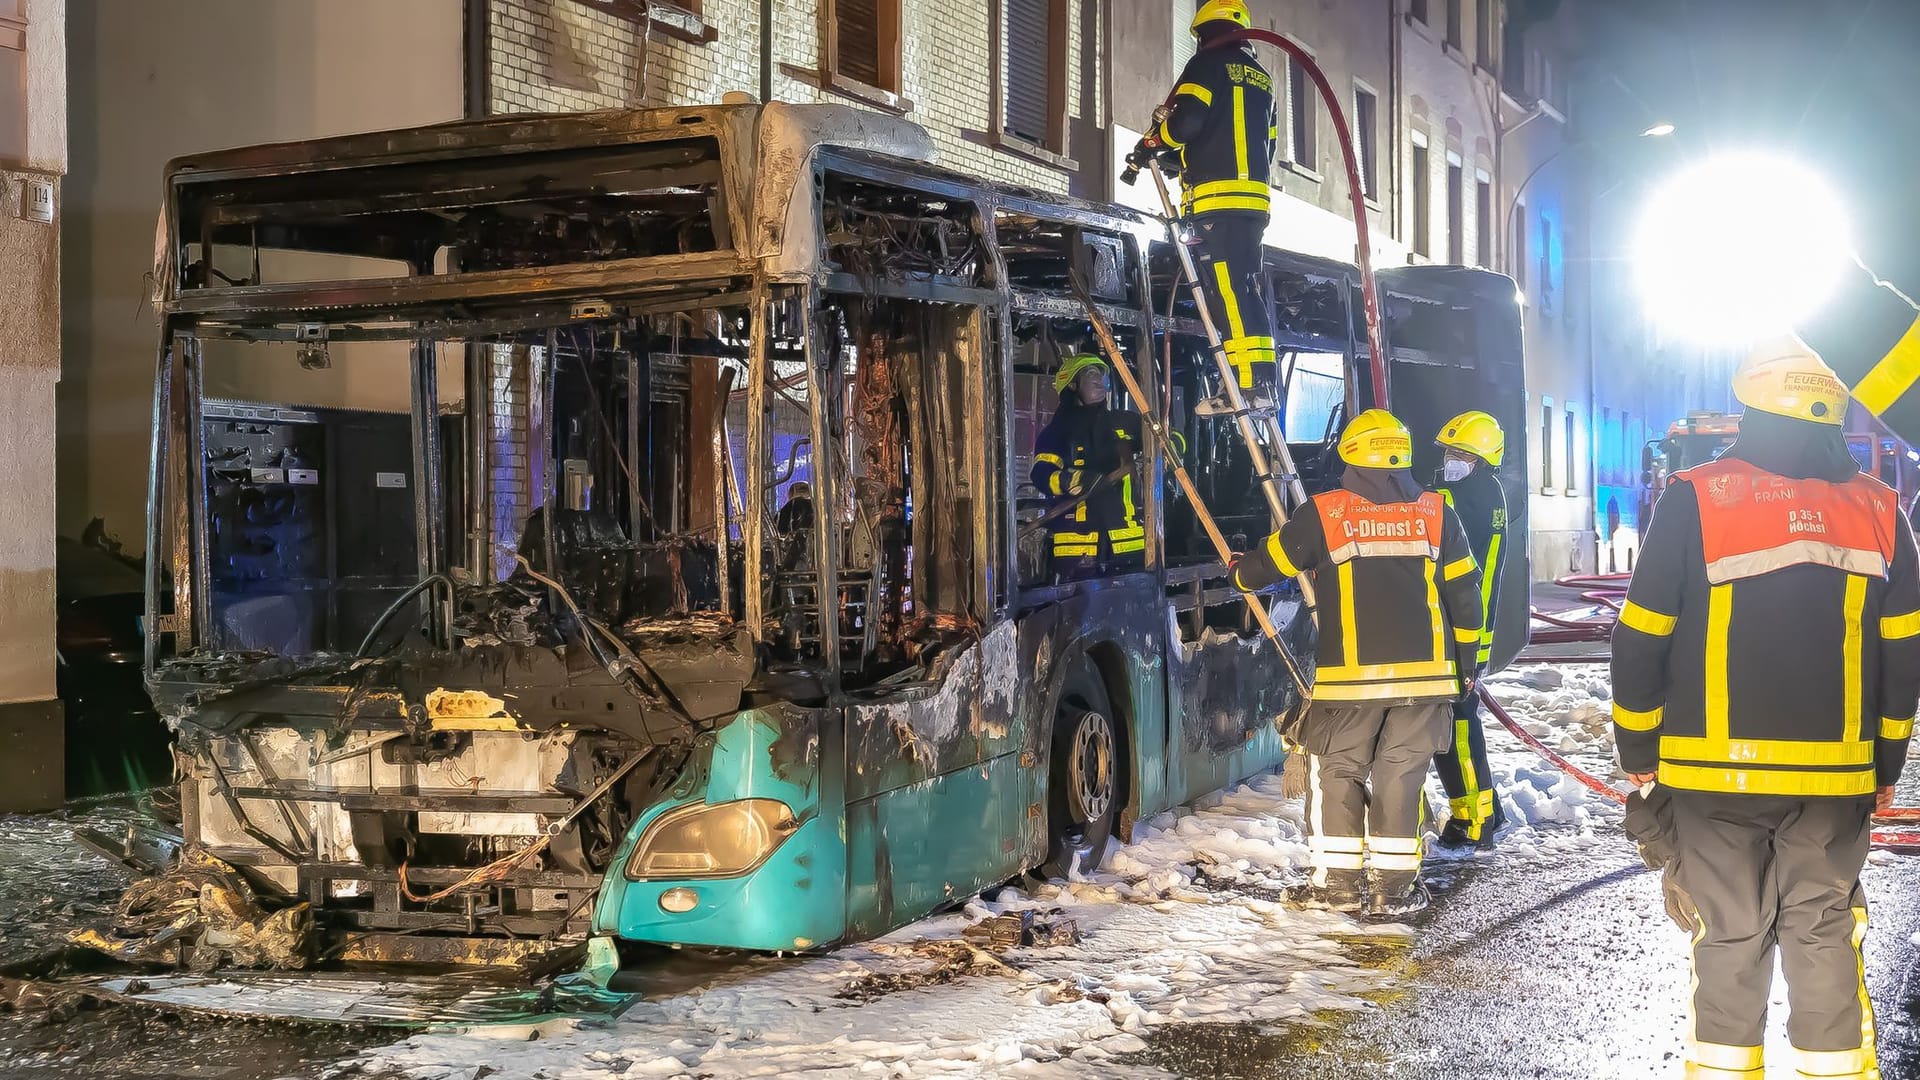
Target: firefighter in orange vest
[1766,666]
[1399,598]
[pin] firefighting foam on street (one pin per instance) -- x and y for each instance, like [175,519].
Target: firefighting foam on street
[1056,538]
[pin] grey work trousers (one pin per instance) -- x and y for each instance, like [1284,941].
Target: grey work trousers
[1366,766]
[1772,872]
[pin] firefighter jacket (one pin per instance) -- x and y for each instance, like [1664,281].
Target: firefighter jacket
[1770,642]
[1481,504]
[1398,593]
[1078,446]
[1222,125]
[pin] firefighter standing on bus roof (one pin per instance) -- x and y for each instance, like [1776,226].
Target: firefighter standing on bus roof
[1076,455]
[1399,602]
[1474,447]
[1765,671]
[1218,132]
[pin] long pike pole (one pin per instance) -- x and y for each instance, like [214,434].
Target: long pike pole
[1180,476]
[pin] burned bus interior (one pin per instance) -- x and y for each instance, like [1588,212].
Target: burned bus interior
[493,472]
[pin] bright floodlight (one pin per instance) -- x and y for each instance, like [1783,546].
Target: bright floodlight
[1739,247]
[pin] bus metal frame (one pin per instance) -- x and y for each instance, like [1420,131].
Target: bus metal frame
[901,796]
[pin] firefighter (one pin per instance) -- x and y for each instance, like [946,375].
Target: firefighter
[1474,446]
[1217,134]
[1399,599]
[1765,670]
[1078,451]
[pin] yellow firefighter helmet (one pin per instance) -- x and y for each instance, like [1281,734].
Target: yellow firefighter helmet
[1070,369]
[1477,433]
[1233,11]
[1784,376]
[1376,439]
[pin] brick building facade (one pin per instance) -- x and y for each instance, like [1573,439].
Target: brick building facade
[1454,103]
[939,63]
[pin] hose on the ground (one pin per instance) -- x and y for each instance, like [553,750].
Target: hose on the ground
[1585,778]
[1607,591]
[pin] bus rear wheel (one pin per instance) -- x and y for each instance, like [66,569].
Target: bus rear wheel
[1083,799]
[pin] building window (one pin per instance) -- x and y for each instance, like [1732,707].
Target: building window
[1422,201]
[1483,221]
[1571,455]
[13,80]
[1456,212]
[1455,22]
[1546,445]
[1517,258]
[1300,116]
[1033,70]
[1418,9]
[1546,265]
[1609,457]
[863,42]
[1366,113]
[1628,446]
[1483,33]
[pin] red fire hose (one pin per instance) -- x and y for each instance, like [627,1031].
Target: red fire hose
[1586,778]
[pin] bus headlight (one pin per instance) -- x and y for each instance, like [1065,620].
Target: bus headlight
[724,840]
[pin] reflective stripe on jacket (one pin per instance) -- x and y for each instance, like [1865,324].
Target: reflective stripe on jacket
[1399,594]
[1770,642]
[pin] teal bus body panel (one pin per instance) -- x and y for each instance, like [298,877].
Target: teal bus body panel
[1227,694]
[975,711]
[952,778]
[797,898]
[916,849]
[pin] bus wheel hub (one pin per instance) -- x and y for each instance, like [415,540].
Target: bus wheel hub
[1090,767]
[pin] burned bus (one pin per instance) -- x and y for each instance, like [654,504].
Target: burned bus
[612,528]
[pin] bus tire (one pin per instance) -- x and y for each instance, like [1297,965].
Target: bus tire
[1083,790]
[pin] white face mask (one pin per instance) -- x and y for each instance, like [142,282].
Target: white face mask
[1453,470]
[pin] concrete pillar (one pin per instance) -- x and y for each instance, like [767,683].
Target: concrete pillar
[32,161]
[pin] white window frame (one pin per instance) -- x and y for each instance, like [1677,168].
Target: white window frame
[1311,97]
[1417,138]
[1367,155]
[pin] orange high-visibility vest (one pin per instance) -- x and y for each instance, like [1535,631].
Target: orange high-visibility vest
[1358,529]
[1753,522]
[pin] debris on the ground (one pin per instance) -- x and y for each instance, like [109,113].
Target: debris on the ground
[1031,929]
[140,847]
[201,914]
[951,960]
